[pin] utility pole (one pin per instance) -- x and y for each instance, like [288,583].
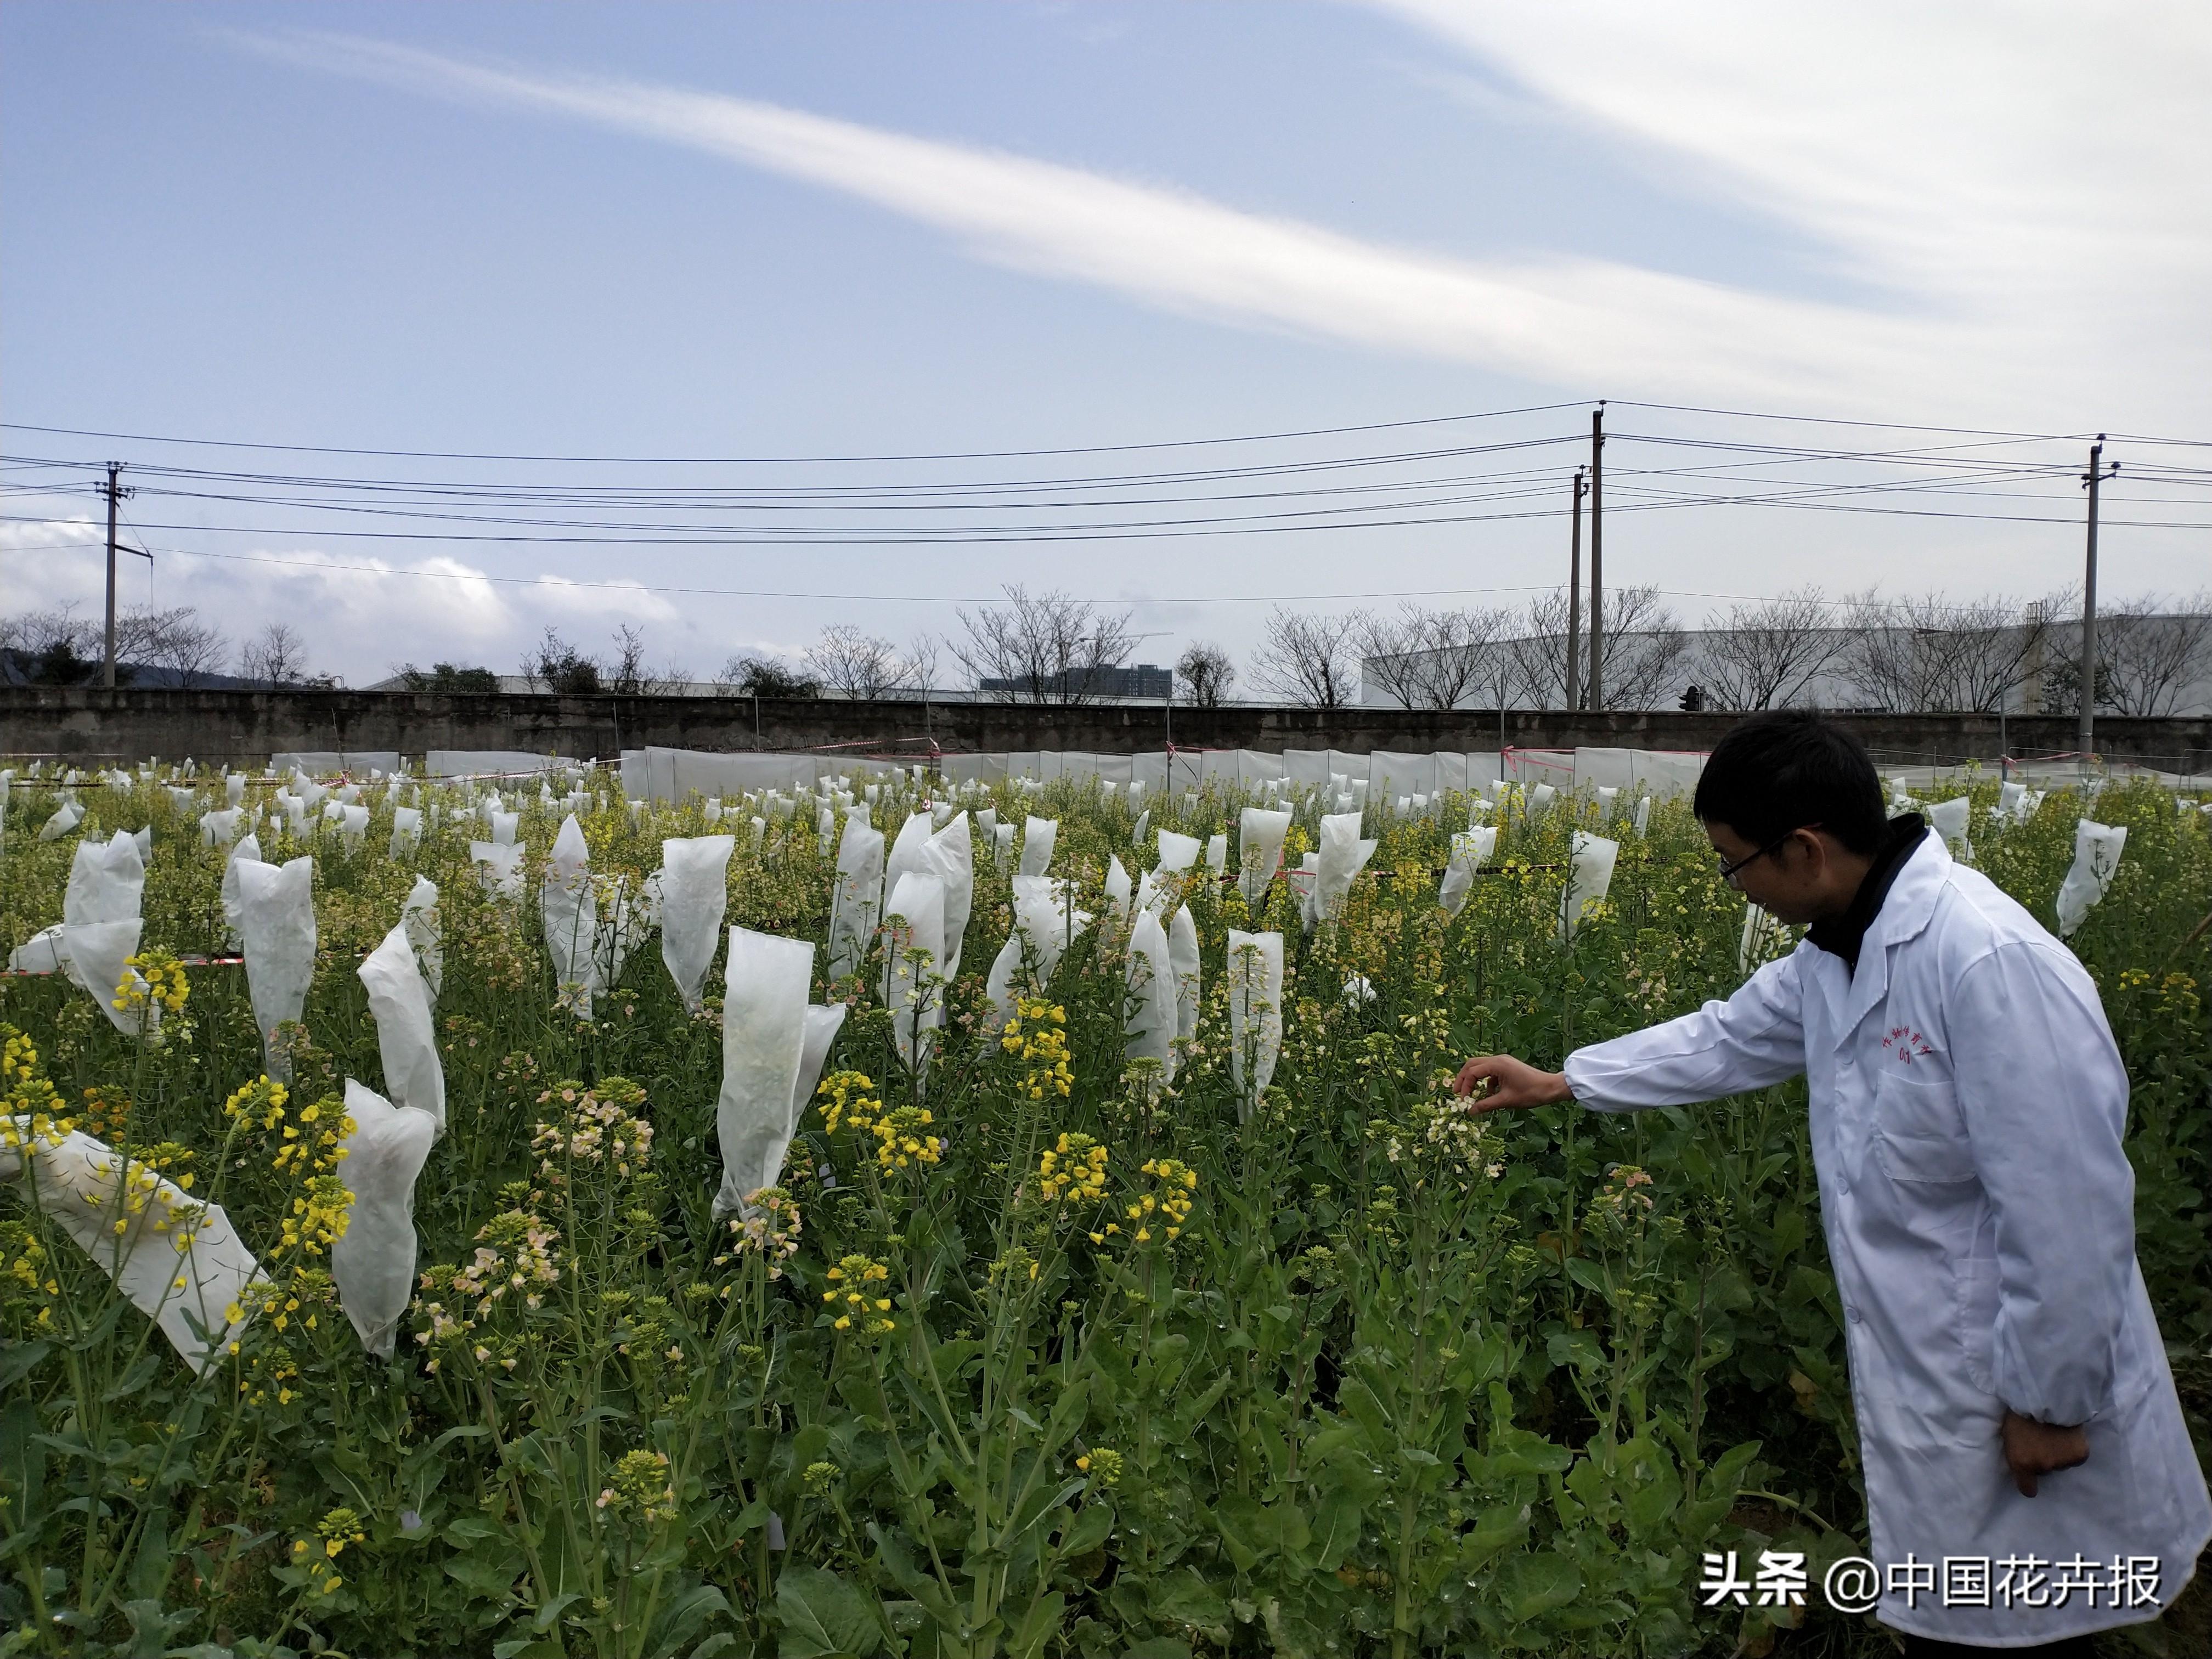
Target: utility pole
[114,494]
[1597,558]
[2096,474]
[1575,599]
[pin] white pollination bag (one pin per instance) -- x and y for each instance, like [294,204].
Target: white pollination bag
[277,920]
[1002,843]
[406,831]
[353,828]
[503,826]
[1046,923]
[372,1261]
[1118,891]
[1949,819]
[248,851]
[1259,852]
[951,860]
[419,916]
[825,829]
[2097,848]
[987,820]
[1217,853]
[695,896]
[1761,933]
[1144,822]
[914,915]
[1343,855]
[568,904]
[1470,850]
[499,866]
[177,1259]
[1643,816]
[1256,1014]
[219,829]
[1183,964]
[766,982]
[909,854]
[66,818]
[1037,837]
[1149,1027]
[233,788]
[1589,876]
[1177,852]
[407,1041]
[856,900]
[100,928]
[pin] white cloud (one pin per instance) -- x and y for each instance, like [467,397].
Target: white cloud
[1587,324]
[628,600]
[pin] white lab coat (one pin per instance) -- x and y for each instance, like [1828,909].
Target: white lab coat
[1967,1107]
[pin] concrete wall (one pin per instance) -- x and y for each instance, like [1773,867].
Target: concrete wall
[87,724]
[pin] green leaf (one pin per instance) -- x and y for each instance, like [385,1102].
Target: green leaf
[19,1360]
[1087,1531]
[1533,1586]
[819,1615]
[1184,1598]
[1335,1530]
[1039,1626]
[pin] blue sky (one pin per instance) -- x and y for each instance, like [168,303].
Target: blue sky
[800,231]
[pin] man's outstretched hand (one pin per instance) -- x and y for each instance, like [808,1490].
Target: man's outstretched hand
[2033,1448]
[1512,1082]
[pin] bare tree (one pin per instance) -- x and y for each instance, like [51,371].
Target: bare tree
[1765,655]
[1208,671]
[277,657]
[1043,647]
[1645,646]
[1928,654]
[178,641]
[1537,654]
[1427,658]
[1309,659]
[923,657]
[852,663]
[2150,658]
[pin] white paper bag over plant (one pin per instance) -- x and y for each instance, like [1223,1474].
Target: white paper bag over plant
[856,900]
[45,951]
[177,1259]
[1761,933]
[825,829]
[220,829]
[1183,964]
[952,859]
[909,854]
[406,831]
[1177,852]
[1002,844]
[2097,848]
[499,866]
[399,1002]
[1303,881]
[766,982]
[568,904]
[372,1261]
[1470,850]
[1643,815]
[353,828]
[914,917]
[1217,853]
[233,788]
[1589,878]
[1118,888]
[1255,968]
[1260,852]
[66,818]
[1343,856]
[1149,1028]
[1037,837]
[277,920]
[1949,819]
[695,896]
[987,820]
[419,916]
[503,826]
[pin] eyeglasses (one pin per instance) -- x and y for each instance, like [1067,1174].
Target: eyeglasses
[1730,872]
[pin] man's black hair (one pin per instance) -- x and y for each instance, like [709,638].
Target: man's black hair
[1787,768]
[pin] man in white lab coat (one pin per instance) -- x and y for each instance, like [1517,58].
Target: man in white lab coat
[2027,1467]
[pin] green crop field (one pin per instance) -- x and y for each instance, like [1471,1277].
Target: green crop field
[1035,1352]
